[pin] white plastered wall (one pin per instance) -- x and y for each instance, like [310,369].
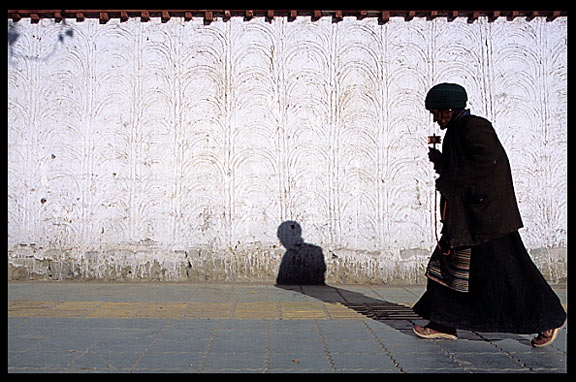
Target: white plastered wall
[173,151]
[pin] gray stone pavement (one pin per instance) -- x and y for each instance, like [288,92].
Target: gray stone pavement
[81,327]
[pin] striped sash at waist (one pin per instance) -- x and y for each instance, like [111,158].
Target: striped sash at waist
[452,270]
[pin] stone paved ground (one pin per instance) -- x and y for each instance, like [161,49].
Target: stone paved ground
[161,327]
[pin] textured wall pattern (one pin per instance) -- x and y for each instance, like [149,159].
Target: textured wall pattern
[175,150]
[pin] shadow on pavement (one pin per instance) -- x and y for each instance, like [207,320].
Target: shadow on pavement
[398,316]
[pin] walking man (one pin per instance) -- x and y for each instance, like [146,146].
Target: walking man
[480,276]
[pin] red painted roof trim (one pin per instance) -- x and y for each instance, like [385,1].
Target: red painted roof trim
[210,15]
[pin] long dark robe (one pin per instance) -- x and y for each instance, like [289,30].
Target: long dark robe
[507,293]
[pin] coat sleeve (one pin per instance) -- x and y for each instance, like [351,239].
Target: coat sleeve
[481,150]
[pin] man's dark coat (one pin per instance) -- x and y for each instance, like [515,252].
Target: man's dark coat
[476,183]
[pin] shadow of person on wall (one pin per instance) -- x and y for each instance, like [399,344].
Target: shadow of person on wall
[302,270]
[302,263]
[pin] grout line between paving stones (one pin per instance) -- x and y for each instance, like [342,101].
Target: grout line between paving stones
[267,349]
[325,346]
[388,354]
[152,343]
[208,347]
[507,353]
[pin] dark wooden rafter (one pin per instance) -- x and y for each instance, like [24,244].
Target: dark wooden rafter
[209,15]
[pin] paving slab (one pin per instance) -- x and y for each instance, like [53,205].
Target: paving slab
[81,327]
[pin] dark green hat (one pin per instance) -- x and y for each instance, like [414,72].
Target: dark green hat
[446,96]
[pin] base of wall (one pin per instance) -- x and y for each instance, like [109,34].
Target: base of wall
[133,263]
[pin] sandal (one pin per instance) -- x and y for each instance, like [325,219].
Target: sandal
[545,338]
[430,333]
